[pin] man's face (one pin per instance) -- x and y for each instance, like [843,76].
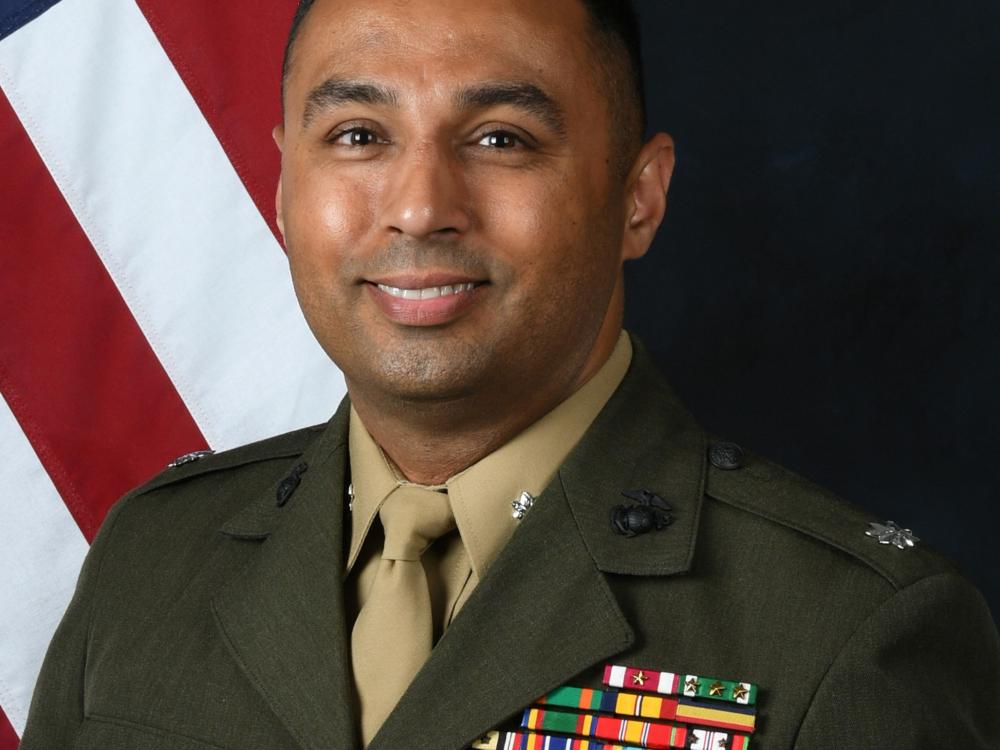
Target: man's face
[449,196]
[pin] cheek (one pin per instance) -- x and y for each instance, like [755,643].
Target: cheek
[327,217]
[327,214]
[555,236]
[508,208]
[558,220]
[530,219]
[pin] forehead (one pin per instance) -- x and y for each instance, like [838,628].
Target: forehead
[438,43]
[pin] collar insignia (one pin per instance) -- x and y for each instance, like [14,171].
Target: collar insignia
[522,505]
[189,458]
[650,512]
[890,533]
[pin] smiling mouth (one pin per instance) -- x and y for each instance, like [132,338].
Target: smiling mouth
[430,292]
[422,302]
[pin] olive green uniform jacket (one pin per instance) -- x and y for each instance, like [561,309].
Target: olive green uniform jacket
[208,616]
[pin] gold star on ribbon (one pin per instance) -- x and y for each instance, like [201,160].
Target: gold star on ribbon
[716,689]
[639,678]
[740,692]
[691,685]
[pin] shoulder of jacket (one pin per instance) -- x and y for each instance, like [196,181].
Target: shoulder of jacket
[772,492]
[202,463]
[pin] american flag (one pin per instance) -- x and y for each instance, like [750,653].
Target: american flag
[145,304]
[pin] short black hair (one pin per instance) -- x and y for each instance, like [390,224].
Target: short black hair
[615,25]
[618,49]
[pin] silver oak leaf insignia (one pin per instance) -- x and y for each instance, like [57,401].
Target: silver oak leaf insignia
[890,533]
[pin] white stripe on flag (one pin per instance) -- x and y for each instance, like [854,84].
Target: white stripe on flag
[41,550]
[159,200]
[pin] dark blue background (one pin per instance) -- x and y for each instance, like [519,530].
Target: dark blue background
[824,288]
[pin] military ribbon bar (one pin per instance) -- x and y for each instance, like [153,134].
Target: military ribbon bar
[737,718]
[534,741]
[646,734]
[646,680]
[642,733]
[685,710]
[708,740]
[670,683]
[612,701]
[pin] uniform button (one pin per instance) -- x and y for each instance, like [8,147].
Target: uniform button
[726,456]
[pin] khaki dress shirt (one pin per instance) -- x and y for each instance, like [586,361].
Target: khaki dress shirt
[481,496]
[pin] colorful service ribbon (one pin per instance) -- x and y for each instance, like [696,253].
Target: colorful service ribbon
[656,707]
[535,741]
[688,685]
[647,734]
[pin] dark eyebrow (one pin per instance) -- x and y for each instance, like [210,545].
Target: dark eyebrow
[336,91]
[524,96]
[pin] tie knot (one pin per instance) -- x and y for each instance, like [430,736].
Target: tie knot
[413,517]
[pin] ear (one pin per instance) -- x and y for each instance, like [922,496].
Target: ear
[646,196]
[278,134]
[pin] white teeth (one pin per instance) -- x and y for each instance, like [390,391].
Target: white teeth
[427,293]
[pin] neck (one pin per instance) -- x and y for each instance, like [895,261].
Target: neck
[429,447]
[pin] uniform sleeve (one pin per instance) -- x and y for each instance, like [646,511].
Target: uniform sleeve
[57,703]
[922,672]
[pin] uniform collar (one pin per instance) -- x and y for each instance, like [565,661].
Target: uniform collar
[372,480]
[482,494]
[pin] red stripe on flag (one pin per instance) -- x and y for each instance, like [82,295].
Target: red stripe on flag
[229,56]
[8,737]
[76,370]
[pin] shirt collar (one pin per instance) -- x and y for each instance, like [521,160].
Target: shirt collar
[482,494]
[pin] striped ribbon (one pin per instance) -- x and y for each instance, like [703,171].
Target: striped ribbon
[535,741]
[643,733]
[646,734]
[655,707]
[670,683]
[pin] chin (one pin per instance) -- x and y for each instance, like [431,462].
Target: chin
[423,379]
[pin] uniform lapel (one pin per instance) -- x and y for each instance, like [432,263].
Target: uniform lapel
[545,611]
[283,618]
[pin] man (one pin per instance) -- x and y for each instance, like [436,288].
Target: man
[461,184]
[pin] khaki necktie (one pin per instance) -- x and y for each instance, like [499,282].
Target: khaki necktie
[394,632]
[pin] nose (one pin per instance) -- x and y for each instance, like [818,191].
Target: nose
[427,195]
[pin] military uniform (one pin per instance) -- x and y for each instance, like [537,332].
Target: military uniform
[210,611]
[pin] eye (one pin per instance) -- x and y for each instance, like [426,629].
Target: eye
[501,140]
[354,137]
